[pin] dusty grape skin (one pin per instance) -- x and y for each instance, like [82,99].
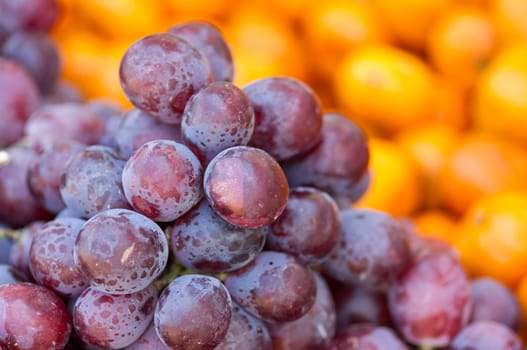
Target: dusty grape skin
[19,98]
[51,257]
[216,118]
[113,321]
[486,335]
[366,336]
[436,319]
[121,251]
[314,330]
[372,249]
[32,318]
[163,180]
[138,128]
[309,226]
[203,241]
[149,341]
[19,254]
[288,116]
[493,301]
[193,313]
[210,42]
[43,175]
[90,182]
[29,15]
[274,287]
[160,72]
[246,186]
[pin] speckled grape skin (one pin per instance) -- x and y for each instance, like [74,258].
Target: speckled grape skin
[367,336]
[91,181]
[246,186]
[160,72]
[372,249]
[309,226]
[148,341]
[288,116]
[51,257]
[208,39]
[193,313]
[216,118]
[163,180]
[32,318]
[121,251]
[274,287]
[113,321]
[486,335]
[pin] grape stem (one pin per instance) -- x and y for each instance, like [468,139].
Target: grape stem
[14,235]
[172,272]
[426,347]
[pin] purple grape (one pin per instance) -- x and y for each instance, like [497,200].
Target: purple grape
[366,336]
[216,118]
[19,254]
[121,251]
[160,72]
[193,312]
[274,287]
[486,335]
[246,186]
[148,341]
[29,15]
[32,318]
[203,241]
[288,116]
[90,182]
[8,274]
[372,249]
[113,321]
[163,180]
[308,228]
[111,116]
[51,257]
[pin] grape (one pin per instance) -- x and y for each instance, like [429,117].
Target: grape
[246,186]
[19,254]
[32,318]
[372,249]
[111,116]
[486,335]
[202,241]
[314,330]
[8,274]
[210,42]
[5,247]
[113,321]
[216,118]
[193,312]
[309,226]
[163,180]
[288,116]
[160,72]
[36,53]
[430,303]
[19,98]
[274,287]
[493,301]
[29,15]
[121,251]
[63,92]
[51,257]
[137,128]
[43,175]
[354,192]
[366,336]
[91,181]
[148,341]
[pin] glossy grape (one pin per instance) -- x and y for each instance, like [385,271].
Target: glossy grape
[29,15]
[121,251]
[163,180]
[366,336]
[148,341]
[486,335]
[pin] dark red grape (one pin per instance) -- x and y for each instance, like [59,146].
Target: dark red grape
[210,42]
[121,251]
[32,318]
[486,335]
[90,182]
[308,228]
[193,313]
[216,118]
[113,321]
[367,337]
[51,257]
[288,116]
[274,287]
[160,72]
[148,341]
[203,241]
[246,186]
[29,15]
[372,249]
[163,180]
[19,254]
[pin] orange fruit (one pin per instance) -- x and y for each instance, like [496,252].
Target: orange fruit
[492,237]
[449,105]
[436,224]
[509,18]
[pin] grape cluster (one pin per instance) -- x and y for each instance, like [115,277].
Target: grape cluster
[209,216]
